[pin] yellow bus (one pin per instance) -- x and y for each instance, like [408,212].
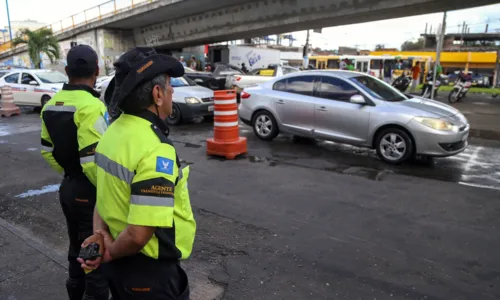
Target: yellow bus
[453,61]
[325,62]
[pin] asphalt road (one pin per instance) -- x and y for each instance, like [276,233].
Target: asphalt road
[290,220]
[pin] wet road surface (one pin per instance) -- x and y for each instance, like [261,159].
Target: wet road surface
[478,165]
[290,220]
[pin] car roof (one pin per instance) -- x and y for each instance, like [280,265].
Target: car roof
[337,73]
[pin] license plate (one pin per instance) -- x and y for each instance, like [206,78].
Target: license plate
[211,108]
[464,138]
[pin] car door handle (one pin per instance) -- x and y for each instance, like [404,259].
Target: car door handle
[280,102]
[322,108]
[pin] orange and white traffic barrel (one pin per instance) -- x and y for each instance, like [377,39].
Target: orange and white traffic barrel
[7,106]
[226,141]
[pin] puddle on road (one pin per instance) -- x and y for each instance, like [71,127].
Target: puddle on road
[187,163]
[265,160]
[191,145]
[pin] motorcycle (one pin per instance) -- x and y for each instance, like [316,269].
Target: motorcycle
[427,88]
[402,82]
[460,89]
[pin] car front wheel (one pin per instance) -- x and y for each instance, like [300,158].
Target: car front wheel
[176,117]
[44,100]
[394,146]
[265,126]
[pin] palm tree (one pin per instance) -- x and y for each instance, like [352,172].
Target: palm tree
[38,41]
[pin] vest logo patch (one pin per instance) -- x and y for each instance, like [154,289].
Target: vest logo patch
[164,165]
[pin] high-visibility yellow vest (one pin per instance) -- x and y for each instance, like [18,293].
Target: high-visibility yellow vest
[73,122]
[140,182]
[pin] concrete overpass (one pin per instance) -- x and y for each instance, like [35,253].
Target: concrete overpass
[181,23]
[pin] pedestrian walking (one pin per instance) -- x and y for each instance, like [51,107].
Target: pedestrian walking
[415,75]
[143,220]
[73,122]
[192,63]
[388,72]
[343,64]
[181,59]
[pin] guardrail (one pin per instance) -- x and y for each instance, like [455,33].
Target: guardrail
[99,12]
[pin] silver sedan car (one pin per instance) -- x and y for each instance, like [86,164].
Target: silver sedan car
[357,109]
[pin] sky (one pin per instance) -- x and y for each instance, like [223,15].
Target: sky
[391,33]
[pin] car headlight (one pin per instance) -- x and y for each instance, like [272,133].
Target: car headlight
[437,124]
[192,100]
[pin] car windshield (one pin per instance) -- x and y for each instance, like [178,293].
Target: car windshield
[52,77]
[223,70]
[378,89]
[181,81]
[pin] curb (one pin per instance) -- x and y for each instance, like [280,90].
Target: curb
[484,134]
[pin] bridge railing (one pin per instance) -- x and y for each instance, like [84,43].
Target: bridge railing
[98,12]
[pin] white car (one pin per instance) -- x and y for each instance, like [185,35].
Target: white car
[102,79]
[191,101]
[33,87]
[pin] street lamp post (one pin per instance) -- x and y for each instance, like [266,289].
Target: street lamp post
[438,54]
[8,18]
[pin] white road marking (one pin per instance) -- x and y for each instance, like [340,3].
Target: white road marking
[480,185]
[46,189]
[472,159]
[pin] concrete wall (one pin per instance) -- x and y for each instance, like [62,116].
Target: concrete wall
[111,44]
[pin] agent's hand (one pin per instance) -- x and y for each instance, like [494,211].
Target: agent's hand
[93,264]
[108,240]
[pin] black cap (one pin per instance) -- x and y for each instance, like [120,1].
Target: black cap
[139,65]
[82,61]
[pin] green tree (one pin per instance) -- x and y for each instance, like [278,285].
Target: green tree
[379,47]
[38,41]
[413,45]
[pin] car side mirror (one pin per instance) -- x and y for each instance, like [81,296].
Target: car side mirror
[33,82]
[357,99]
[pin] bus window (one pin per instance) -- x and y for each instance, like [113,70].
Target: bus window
[407,64]
[376,64]
[321,65]
[359,66]
[313,62]
[333,64]
[365,67]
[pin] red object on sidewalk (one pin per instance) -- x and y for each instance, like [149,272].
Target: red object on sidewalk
[226,141]
[7,106]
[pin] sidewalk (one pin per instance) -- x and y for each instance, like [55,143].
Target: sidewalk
[30,269]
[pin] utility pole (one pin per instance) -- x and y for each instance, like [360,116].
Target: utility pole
[462,37]
[8,18]
[497,69]
[438,53]
[486,30]
[306,51]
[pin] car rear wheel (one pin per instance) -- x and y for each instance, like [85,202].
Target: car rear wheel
[394,146]
[44,100]
[265,126]
[176,117]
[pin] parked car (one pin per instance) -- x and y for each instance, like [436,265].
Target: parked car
[215,80]
[191,101]
[354,108]
[239,82]
[101,79]
[33,87]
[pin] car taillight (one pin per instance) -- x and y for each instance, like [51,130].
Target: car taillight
[238,78]
[244,95]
